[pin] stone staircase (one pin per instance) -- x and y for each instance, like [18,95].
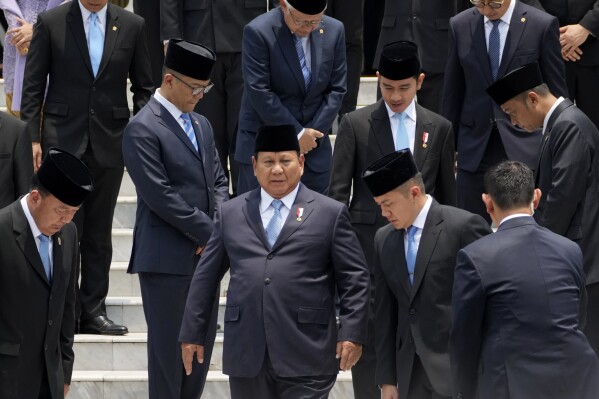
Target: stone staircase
[116,367]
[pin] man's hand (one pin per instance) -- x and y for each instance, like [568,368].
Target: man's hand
[389,392]
[66,389]
[21,36]
[199,250]
[349,353]
[571,38]
[37,155]
[187,351]
[308,140]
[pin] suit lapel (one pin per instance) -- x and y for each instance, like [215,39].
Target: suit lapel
[303,200]
[428,242]
[423,125]
[477,26]
[57,271]
[166,119]
[515,31]
[381,128]
[316,48]
[26,242]
[75,23]
[287,46]
[396,260]
[195,123]
[556,113]
[251,211]
[111,30]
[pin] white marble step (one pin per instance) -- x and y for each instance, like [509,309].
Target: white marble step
[134,385]
[122,353]
[129,312]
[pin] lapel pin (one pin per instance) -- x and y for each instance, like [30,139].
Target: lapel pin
[196,122]
[114,28]
[424,140]
[299,213]
[59,241]
[522,19]
[321,31]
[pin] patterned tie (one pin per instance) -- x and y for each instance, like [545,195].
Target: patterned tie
[401,133]
[275,224]
[45,255]
[189,130]
[494,45]
[96,42]
[302,59]
[412,252]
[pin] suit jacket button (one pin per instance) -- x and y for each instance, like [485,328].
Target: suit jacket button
[267,281]
[91,111]
[45,347]
[412,311]
[270,256]
[94,88]
[49,322]
[460,395]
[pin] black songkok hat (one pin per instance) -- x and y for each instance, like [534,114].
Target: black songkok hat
[277,138]
[390,172]
[190,59]
[310,7]
[399,60]
[515,82]
[65,177]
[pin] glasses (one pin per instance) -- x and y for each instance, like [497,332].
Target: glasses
[307,24]
[491,4]
[195,91]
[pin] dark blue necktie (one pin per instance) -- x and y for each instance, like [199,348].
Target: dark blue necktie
[494,48]
[302,59]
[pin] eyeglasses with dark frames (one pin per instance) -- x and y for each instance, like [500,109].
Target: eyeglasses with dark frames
[307,24]
[491,4]
[195,91]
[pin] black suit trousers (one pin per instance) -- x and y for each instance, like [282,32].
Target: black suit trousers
[150,11]
[583,86]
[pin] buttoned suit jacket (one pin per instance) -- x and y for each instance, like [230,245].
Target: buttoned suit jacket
[274,88]
[533,36]
[417,319]
[516,299]
[568,176]
[178,189]
[37,318]
[363,137]
[16,163]
[282,299]
[80,109]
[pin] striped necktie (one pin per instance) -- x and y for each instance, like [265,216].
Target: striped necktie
[189,130]
[275,224]
[96,42]
[302,60]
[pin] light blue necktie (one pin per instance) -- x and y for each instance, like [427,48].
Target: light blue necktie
[275,224]
[96,42]
[401,133]
[494,47]
[302,59]
[45,255]
[189,130]
[412,252]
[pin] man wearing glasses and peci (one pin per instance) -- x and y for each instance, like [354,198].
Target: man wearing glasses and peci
[294,73]
[485,42]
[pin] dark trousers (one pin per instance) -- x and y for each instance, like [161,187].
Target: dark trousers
[268,385]
[591,329]
[221,106]
[150,11]
[351,14]
[318,182]
[363,373]
[420,385]
[470,185]
[583,86]
[164,297]
[94,227]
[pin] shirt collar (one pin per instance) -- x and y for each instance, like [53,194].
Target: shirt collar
[410,111]
[32,225]
[85,13]
[553,107]
[170,107]
[266,199]
[513,216]
[507,17]
[421,218]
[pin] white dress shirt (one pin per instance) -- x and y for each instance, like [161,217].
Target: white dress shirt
[86,16]
[267,211]
[418,222]
[35,230]
[409,122]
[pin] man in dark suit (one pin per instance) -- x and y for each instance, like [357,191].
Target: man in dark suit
[294,74]
[16,163]
[579,29]
[219,25]
[179,182]
[567,171]
[485,42]
[87,49]
[517,296]
[414,261]
[281,338]
[366,135]
[38,262]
